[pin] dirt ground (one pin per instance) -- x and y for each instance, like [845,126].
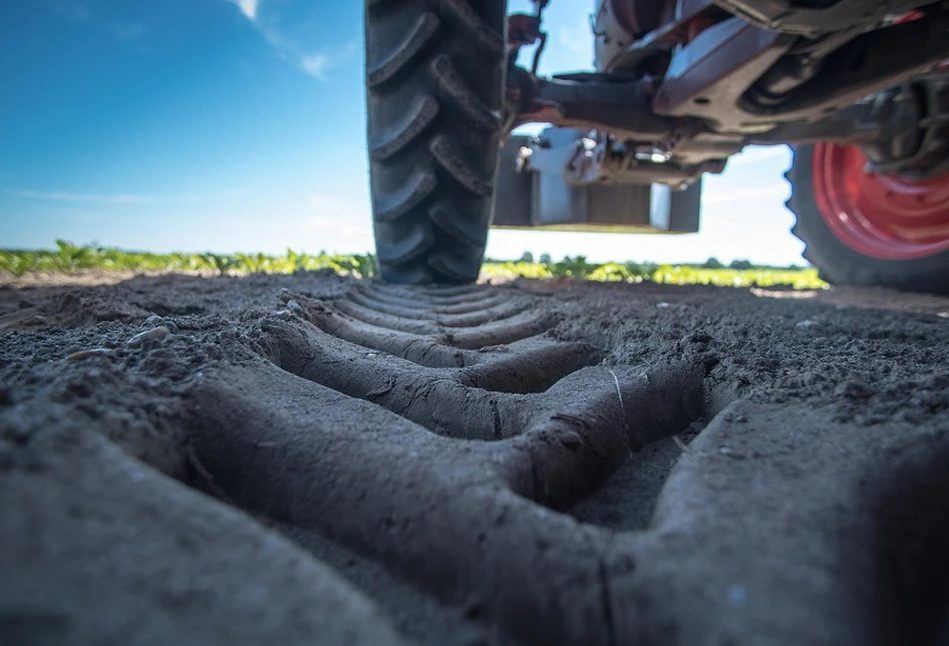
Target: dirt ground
[309,459]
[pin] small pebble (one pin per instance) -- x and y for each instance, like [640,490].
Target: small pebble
[87,354]
[154,321]
[154,334]
[731,453]
[294,307]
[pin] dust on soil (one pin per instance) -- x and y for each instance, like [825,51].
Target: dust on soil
[310,459]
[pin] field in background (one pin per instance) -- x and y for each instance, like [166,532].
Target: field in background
[69,258]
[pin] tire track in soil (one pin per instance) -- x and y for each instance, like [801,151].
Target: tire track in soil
[438,446]
[553,446]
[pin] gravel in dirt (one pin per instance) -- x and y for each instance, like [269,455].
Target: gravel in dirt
[310,459]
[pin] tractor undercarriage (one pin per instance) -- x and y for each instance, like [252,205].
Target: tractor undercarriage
[681,87]
[707,83]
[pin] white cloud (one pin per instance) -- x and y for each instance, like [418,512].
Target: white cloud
[319,63]
[220,196]
[85,198]
[313,63]
[126,199]
[248,8]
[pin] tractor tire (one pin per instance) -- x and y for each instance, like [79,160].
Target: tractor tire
[435,85]
[864,229]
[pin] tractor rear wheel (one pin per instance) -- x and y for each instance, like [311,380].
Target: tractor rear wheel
[435,84]
[865,228]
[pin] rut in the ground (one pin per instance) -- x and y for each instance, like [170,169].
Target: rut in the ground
[419,486]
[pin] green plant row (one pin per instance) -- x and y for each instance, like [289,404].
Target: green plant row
[70,258]
[798,278]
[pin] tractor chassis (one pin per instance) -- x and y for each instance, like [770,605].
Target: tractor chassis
[630,143]
[723,91]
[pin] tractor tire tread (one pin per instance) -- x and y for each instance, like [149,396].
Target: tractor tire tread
[434,79]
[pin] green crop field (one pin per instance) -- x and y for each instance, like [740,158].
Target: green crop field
[69,258]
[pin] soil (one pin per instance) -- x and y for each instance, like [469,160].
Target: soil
[309,459]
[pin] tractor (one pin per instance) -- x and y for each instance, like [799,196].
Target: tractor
[858,89]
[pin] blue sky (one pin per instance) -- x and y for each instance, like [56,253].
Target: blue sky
[238,125]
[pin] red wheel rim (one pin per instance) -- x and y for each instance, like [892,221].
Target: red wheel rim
[882,216]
